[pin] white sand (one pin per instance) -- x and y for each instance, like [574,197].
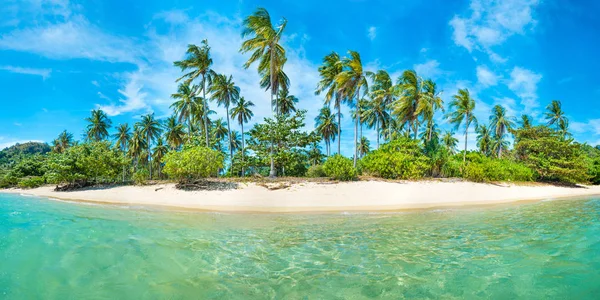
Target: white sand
[316,197]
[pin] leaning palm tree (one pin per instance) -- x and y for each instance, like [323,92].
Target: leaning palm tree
[331,68]
[350,82]
[98,126]
[150,128]
[363,146]
[500,124]
[450,142]
[410,89]
[484,139]
[159,151]
[174,133]
[286,103]
[556,117]
[122,139]
[326,127]
[185,103]
[461,111]
[377,116]
[264,43]
[198,63]
[226,93]
[243,114]
[429,104]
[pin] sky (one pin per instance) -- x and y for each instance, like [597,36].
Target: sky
[59,59]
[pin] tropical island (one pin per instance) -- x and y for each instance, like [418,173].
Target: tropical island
[192,160]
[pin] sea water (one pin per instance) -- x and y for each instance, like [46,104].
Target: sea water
[58,250]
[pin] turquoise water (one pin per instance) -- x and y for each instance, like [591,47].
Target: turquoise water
[58,250]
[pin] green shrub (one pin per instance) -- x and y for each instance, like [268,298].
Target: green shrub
[8,180]
[400,159]
[339,168]
[31,182]
[315,171]
[480,168]
[140,176]
[193,163]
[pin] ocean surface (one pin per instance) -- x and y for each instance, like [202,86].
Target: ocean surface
[59,250]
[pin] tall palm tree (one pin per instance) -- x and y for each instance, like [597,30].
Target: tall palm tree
[484,139]
[377,116]
[410,88]
[226,93]
[236,141]
[264,43]
[198,63]
[286,103]
[136,146]
[383,91]
[281,83]
[326,127]
[219,130]
[363,146]
[98,126]
[201,117]
[174,133]
[500,124]
[64,141]
[329,70]
[429,104]
[150,129]
[122,139]
[498,143]
[556,117]
[450,142]
[243,114]
[461,111]
[159,151]
[350,82]
[186,103]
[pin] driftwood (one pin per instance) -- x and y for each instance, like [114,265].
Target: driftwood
[275,186]
[206,185]
[80,184]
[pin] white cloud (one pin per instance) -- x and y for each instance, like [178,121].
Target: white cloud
[94,82]
[372,32]
[429,69]
[134,98]
[44,73]
[485,77]
[524,83]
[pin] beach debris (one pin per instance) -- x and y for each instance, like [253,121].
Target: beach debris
[206,185]
[275,185]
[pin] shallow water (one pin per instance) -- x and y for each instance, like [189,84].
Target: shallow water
[58,250]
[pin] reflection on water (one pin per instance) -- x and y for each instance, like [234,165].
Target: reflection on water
[53,249]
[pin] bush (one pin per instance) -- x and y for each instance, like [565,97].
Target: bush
[8,180]
[193,163]
[31,182]
[315,171]
[339,168]
[480,168]
[140,176]
[400,159]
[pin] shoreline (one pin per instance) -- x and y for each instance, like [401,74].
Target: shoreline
[314,197]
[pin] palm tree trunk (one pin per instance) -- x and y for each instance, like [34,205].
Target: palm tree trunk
[149,156]
[272,171]
[205,110]
[356,131]
[242,149]
[229,132]
[466,136]
[430,131]
[377,128]
[339,130]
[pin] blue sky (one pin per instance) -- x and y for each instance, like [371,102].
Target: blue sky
[59,59]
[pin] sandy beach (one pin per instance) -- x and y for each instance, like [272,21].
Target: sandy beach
[320,197]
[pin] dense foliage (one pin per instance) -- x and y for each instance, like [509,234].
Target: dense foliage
[480,168]
[193,163]
[400,159]
[338,167]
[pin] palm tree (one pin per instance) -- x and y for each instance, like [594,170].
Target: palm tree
[450,142]
[500,124]
[160,150]
[431,133]
[200,116]
[429,104]
[410,88]
[243,114]
[186,103]
[461,111]
[363,146]
[281,83]
[198,61]
[377,116]
[264,43]
[484,139]
[226,93]
[556,116]
[286,103]
[326,127]
[331,68]
[98,126]
[150,129]
[498,144]
[137,145]
[383,91]
[350,82]
[525,122]
[236,141]
[64,141]
[122,139]
[174,133]
[220,131]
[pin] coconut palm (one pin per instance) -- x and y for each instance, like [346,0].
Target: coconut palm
[122,138]
[326,127]
[263,40]
[236,141]
[159,151]
[525,122]
[363,146]
[410,89]
[200,117]
[137,145]
[461,111]
[243,114]
[98,126]
[350,82]
[429,104]
[556,117]
[186,103]
[484,139]
[174,133]
[220,130]
[281,82]
[498,144]
[431,133]
[377,116]
[329,70]
[286,103]
[198,63]
[383,90]
[150,129]
[64,141]
[226,93]
[450,142]
[500,124]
